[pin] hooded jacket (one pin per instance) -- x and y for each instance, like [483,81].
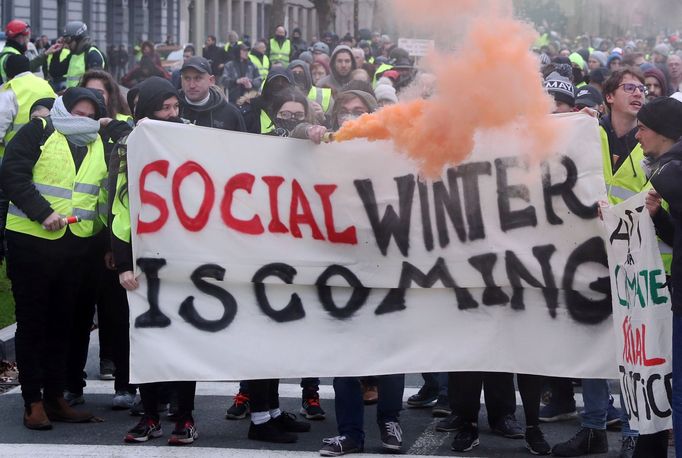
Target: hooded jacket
[252,110]
[334,80]
[307,82]
[667,180]
[216,113]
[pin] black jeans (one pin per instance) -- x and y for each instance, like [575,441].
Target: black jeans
[152,393]
[44,285]
[464,393]
[263,394]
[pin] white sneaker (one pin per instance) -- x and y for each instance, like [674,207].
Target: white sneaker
[123,400]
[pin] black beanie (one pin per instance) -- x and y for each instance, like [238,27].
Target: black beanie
[664,116]
[151,93]
[75,94]
[15,64]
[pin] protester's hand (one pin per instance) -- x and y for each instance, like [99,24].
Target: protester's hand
[317,110]
[653,202]
[109,260]
[128,281]
[315,133]
[54,48]
[601,204]
[104,122]
[54,222]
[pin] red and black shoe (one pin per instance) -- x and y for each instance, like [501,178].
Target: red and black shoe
[147,428]
[184,433]
[240,407]
[310,407]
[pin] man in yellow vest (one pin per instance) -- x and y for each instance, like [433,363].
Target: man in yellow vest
[17,96]
[52,174]
[279,49]
[320,99]
[84,55]
[259,59]
[18,34]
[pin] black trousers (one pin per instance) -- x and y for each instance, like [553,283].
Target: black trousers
[152,393]
[112,308]
[44,285]
[530,388]
[263,395]
[464,393]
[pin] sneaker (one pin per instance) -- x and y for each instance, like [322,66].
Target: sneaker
[442,407]
[551,413]
[423,398]
[450,424]
[466,438]
[391,435]
[627,447]
[536,443]
[146,429]
[73,399]
[287,422]
[270,432]
[585,442]
[311,409]
[339,445]
[184,433]
[106,369]
[508,427]
[123,400]
[240,407]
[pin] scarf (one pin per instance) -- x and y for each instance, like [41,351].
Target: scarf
[79,130]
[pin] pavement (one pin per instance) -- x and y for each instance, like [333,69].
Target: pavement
[220,437]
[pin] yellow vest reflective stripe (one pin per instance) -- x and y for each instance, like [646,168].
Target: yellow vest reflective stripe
[266,125]
[77,67]
[4,54]
[69,193]
[263,67]
[627,181]
[27,89]
[280,53]
[323,96]
[380,71]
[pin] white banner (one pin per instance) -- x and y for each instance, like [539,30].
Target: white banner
[642,316]
[266,257]
[416,47]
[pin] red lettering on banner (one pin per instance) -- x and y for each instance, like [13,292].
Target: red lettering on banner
[299,199]
[348,235]
[276,225]
[153,199]
[251,226]
[634,346]
[199,221]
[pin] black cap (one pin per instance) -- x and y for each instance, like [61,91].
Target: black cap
[664,116]
[198,63]
[588,96]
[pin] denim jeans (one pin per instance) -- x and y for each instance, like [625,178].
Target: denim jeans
[350,408]
[436,382]
[626,431]
[677,383]
[596,398]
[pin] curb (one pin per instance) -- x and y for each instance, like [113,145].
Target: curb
[7,343]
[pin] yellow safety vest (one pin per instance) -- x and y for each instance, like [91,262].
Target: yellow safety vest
[280,53]
[4,54]
[380,71]
[627,181]
[263,67]
[27,88]
[63,54]
[69,193]
[229,45]
[323,96]
[120,211]
[77,67]
[266,124]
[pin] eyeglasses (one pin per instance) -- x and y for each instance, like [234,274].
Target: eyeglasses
[630,88]
[287,115]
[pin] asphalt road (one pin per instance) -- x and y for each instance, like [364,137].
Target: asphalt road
[220,437]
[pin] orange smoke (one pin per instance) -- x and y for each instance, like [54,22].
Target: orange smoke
[492,81]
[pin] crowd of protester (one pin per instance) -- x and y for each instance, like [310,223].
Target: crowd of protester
[64,152]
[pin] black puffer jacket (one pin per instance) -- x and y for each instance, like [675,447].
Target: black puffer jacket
[667,180]
[216,113]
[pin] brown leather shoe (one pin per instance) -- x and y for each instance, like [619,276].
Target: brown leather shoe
[370,394]
[36,418]
[60,410]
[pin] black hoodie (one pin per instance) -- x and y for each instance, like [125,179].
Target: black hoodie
[216,113]
[252,110]
[667,180]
